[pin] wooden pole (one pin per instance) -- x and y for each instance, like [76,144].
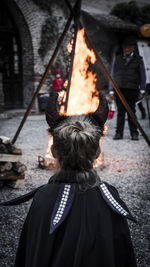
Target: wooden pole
[76,23]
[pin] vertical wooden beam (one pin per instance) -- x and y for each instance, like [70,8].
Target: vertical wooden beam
[76,24]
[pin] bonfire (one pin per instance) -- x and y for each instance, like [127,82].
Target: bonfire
[83,95]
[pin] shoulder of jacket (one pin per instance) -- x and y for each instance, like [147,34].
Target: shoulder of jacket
[138,57]
[44,188]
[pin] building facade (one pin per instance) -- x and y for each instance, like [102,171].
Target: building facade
[21,66]
[29,32]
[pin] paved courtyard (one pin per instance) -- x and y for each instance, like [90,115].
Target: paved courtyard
[126,165]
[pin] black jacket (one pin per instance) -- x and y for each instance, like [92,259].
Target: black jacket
[88,233]
[127,75]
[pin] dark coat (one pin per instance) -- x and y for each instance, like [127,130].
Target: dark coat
[90,234]
[127,74]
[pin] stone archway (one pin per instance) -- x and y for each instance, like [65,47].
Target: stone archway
[18,70]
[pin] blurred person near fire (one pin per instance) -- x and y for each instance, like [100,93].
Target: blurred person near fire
[58,81]
[57,86]
[76,219]
[128,71]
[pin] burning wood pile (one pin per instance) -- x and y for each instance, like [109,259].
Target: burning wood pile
[83,95]
[11,168]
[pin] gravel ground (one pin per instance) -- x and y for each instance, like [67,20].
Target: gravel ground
[127,166]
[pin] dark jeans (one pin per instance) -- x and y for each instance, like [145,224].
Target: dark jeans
[142,109]
[131,97]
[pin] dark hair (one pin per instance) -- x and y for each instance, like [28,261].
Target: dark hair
[76,143]
[129,41]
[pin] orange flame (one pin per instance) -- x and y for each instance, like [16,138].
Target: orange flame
[51,162]
[100,160]
[83,95]
[49,159]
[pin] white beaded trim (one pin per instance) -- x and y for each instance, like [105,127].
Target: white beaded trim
[62,205]
[112,200]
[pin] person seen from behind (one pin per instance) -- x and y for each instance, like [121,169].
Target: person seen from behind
[76,219]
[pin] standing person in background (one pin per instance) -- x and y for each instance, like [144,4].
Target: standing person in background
[58,81]
[57,86]
[128,71]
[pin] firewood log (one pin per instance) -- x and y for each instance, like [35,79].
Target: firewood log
[7,147]
[4,157]
[11,175]
[19,167]
[4,140]
[3,148]
[7,166]
[13,150]
[2,167]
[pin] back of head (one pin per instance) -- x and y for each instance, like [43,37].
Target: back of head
[57,71]
[76,143]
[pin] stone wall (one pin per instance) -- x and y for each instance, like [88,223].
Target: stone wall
[35,18]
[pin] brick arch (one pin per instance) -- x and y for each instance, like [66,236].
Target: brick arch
[26,46]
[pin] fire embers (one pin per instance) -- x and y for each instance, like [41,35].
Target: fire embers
[49,162]
[99,162]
